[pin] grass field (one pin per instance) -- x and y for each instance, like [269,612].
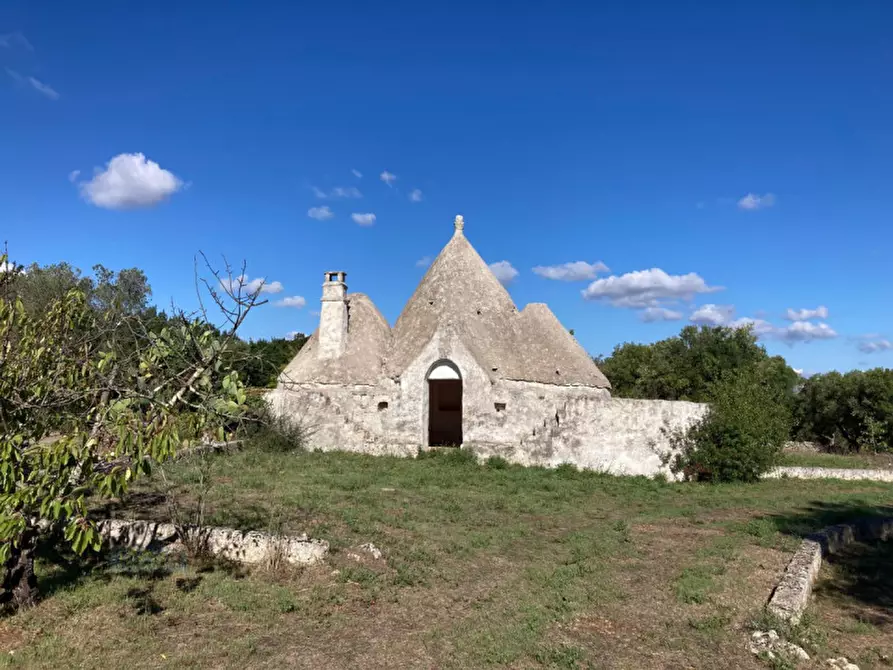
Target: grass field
[484,566]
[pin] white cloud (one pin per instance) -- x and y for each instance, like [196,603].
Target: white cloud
[130,181]
[647,288]
[752,201]
[875,345]
[760,327]
[503,271]
[712,315]
[292,334]
[73,175]
[416,195]
[820,312]
[45,89]
[805,331]
[8,268]
[357,173]
[320,213]
[574,271]
[652,314]
[363,219]
[423,262]
[338,192]
[242,284]
[292,301]
[17,39]
[388,178]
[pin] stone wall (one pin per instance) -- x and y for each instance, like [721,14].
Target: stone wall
[525,422]
[539,425]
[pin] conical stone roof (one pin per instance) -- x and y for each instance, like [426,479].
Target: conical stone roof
[460,292]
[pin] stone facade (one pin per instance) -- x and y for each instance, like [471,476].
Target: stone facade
[529,392]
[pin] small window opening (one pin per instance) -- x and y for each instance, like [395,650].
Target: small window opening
[558,372]
[383,405]
[500,406]
[557,420]
[430,302]
[494,369]
[479,312]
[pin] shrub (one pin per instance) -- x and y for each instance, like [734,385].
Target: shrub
[267,432]
[741,436]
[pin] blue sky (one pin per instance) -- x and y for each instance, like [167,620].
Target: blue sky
[685,146]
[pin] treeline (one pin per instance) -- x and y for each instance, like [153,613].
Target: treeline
[127,292]
[843,412]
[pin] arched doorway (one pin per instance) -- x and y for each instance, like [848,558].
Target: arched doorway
[444,405]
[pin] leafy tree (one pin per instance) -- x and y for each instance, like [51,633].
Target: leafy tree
[743,433]
[261,361]
[685,367]
[80,416]
[851,412]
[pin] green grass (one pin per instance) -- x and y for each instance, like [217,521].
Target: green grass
[488,565]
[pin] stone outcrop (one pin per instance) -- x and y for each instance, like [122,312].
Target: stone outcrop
[794,472]
[249,547]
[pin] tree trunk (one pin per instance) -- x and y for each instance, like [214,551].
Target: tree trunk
[19,581]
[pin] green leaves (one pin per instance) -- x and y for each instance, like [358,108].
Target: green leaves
[83,415]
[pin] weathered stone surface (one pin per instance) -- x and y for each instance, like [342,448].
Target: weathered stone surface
[770,643]
[367,550]
[251,547]
[791,596]
[830,473]
[841,664]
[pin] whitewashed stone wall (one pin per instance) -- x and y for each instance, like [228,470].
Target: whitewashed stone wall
[536,424]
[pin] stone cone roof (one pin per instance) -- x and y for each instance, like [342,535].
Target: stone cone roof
[362,362]
[460,295]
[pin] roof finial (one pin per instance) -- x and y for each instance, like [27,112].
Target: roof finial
[459,223]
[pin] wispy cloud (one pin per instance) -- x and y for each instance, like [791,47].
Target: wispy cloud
[423,262]
[752,201]
[415,195]
[504,271]
[34,83]
[320,213]
[337,193]
[647,288]
[15,40]
[388,178]
[820,312]
[130,181]
[292,301]
[652,314]
[573,271]
[242,284]
[872,344]
[45,89]
[363,219]
[356,173]
[73,175]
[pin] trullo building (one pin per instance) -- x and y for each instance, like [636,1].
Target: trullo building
[464,367]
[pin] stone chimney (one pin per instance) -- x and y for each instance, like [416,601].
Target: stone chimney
[333,316]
